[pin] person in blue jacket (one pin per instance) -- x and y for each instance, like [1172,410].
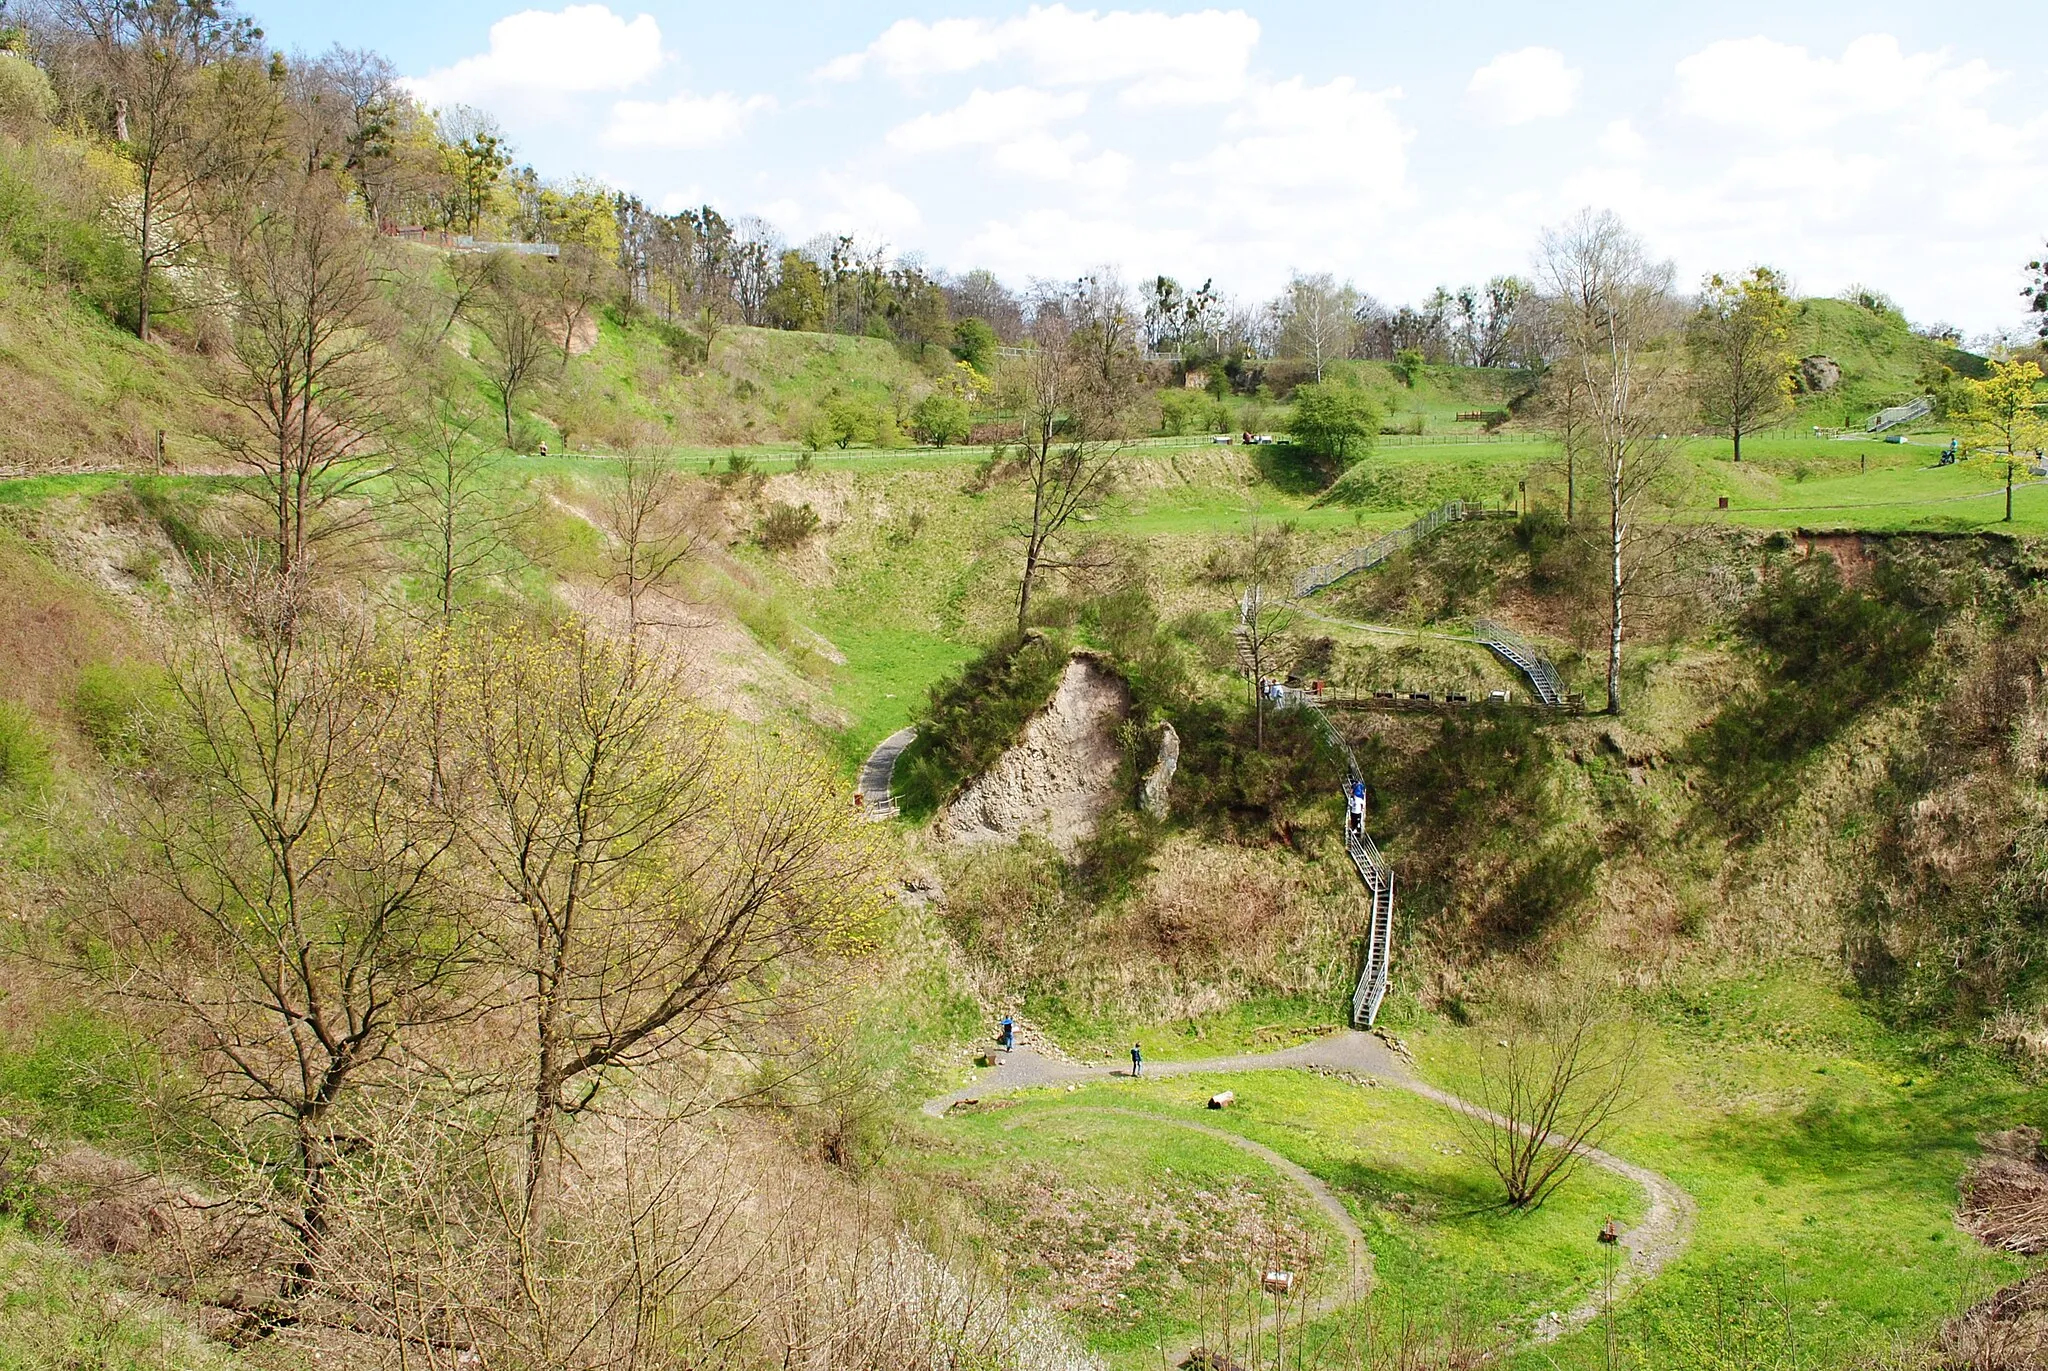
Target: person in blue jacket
[1009,1038]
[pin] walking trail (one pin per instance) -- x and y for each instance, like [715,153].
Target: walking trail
[878,774]
[1663,1233]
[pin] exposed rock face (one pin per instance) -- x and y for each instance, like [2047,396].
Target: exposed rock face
[1818,374]
[1059,778]
[1158,793]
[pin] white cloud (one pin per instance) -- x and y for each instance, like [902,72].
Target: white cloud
[1298,137]
[986,117]
[682,121]
[1621,141]
[541,53]
[1523,86]
[1758,81]
[1046,158]
[1158,58]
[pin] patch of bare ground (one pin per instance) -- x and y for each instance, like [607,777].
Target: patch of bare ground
[722,664]
[1087,1243]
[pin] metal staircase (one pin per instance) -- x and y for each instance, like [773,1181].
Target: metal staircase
[1313,579]
[1372,868]
[1515,650]
[1901,414]
[1379,936]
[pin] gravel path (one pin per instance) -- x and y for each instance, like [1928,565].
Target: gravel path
[878,774]
[1663,1233]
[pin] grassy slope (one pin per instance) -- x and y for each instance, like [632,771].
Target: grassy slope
[1399,1163]
[1882,359]
[77,391]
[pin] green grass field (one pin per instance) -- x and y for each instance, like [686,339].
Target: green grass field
[1400,1164]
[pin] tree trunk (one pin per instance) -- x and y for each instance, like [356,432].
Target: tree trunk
[1738,442]
[1024,590]
[1614,627]
[142,283]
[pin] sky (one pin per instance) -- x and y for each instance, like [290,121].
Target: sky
[1397,147]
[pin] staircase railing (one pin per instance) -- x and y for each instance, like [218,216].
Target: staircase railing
[1901,414]
[1312,579]
[1518,653]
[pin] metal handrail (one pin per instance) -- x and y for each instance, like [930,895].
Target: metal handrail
[1314,578]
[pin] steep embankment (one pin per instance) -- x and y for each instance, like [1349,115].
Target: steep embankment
[1059,778]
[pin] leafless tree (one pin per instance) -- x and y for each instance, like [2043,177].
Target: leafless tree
[1557,1079]
[651,521]
[1265,615]
[154,62]
[513,316]
[1072,388]
[305,362]
[1614,316]
[654,888]
[288,912]
[1315,319]
[449,506]
[579,281]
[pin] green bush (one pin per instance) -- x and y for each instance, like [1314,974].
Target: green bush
[940,419]
[108,705]
[24,755]
[1333,422]
[786,526]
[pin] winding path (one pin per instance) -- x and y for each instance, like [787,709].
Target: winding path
[1663,1233]
[878,774]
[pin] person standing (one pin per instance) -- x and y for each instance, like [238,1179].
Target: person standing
[1137,1061]
[1009,1038]
[1354,808]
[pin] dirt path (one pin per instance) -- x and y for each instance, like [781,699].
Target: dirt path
[1663,1233]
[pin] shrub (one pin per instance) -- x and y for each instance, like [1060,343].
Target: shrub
[1334,422]
[108,704]
[24,755]
[786,526]
[25,93]
[974,343]
[940,419]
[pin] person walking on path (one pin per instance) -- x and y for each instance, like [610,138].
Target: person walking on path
[1137,1061]
[1009,1036]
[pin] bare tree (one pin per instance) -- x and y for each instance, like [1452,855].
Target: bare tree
[1558,1078]
[152,59]
[1264,613]
[1315,319]
[578,282]
[1613,313]
[655,889]
[1072,388]
[512,314]
[651,522]
[289,912]
[449,506]
[305,362]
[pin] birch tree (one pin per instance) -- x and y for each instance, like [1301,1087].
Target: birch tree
[1614,320]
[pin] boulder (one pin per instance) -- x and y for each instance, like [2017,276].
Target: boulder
[1818,374]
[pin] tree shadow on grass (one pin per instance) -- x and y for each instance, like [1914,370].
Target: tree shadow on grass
[1292,470]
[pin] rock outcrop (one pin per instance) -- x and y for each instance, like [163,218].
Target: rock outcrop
[1059,778]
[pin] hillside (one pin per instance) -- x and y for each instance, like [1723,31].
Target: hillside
[1884,362]
[455,914]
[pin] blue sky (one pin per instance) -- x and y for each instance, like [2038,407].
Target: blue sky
[1399,147]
